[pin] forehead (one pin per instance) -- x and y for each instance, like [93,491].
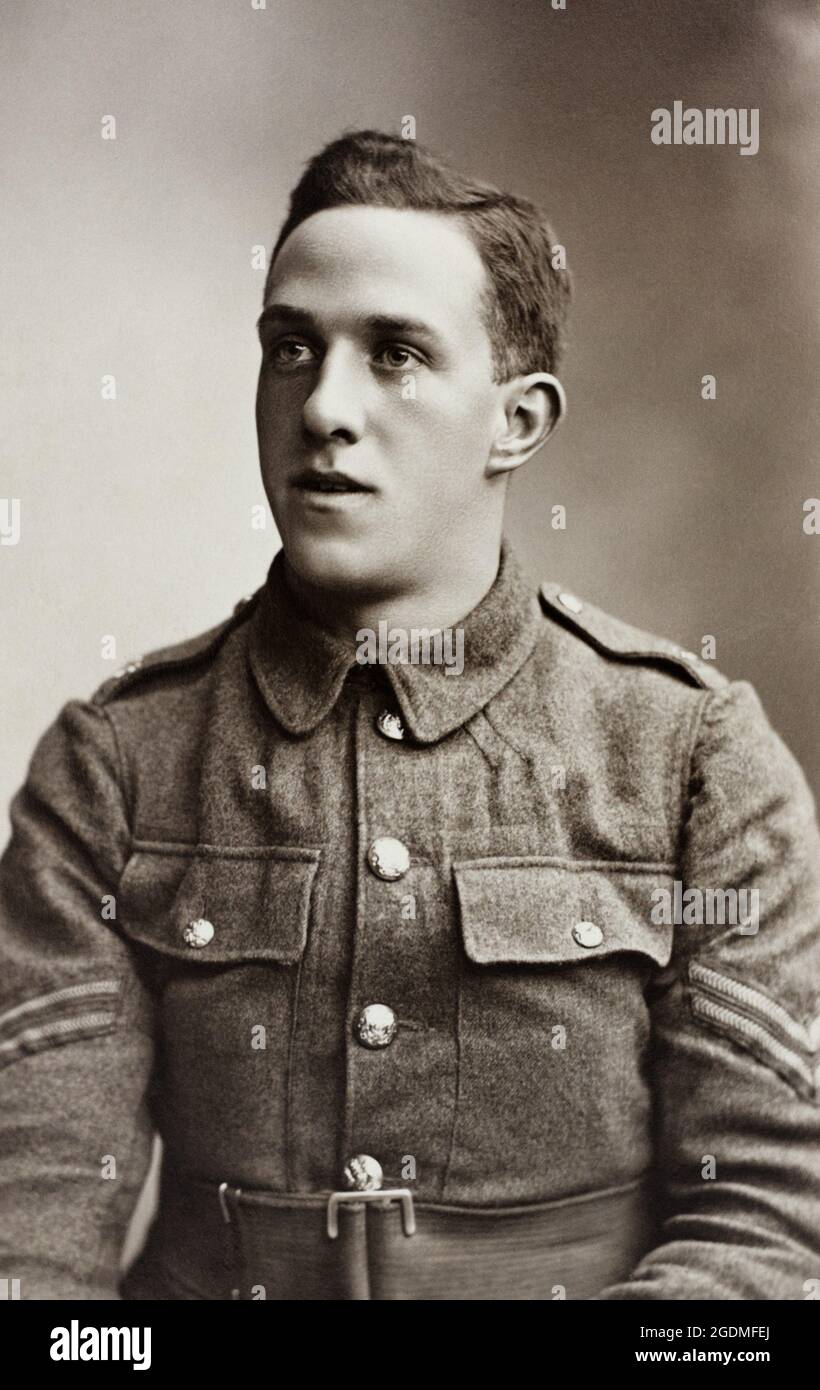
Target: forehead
[377,260]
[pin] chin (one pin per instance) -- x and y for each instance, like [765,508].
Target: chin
[338,563]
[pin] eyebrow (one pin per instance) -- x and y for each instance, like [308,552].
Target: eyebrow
[372,323]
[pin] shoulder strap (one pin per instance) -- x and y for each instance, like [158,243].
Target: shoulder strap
[180,654]
[617,639]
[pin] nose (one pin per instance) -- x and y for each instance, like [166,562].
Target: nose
[335,408]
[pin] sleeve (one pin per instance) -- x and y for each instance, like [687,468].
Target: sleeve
[75,1023]
[736,1028]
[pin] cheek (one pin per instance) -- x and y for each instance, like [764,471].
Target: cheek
[441,456]
[447,438]
[264,408]
[450,415]
[278,407]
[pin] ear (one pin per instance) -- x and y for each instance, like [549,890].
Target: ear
[529,409]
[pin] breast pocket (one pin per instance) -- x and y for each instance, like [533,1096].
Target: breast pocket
[553,1023]
[220,934]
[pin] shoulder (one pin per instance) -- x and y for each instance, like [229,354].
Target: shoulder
[180,657]
[619,642]
[731,738]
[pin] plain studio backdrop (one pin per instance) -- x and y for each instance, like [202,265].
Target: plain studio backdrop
[134,258]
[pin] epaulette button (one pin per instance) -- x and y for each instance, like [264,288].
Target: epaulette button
[571,602]
[127,670]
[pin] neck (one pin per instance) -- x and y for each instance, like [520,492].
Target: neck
[441,601]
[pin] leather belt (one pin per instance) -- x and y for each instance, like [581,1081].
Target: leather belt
[216,1241]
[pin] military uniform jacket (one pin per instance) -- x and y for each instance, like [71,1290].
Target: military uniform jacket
[236,848]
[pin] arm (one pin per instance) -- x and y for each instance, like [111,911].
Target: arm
[75,1022]
[736,1031]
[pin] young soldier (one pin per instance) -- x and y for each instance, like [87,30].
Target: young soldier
[380,949]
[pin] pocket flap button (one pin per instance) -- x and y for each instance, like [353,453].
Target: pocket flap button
[587,934]
[198,933]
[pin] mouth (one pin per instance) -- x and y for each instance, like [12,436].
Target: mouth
[330,491]
[331,483]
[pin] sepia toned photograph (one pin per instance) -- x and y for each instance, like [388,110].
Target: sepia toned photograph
[410,572]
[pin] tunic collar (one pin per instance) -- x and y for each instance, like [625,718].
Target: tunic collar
[300,668]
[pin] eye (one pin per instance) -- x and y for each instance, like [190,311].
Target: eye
[288,352]
[396,357]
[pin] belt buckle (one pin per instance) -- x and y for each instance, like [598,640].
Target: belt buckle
[386,1194]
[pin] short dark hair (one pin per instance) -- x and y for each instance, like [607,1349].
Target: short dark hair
[526,307]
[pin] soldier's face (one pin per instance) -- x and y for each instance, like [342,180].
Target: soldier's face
[376,407]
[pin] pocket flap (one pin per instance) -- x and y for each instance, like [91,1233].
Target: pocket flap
[205,905]
[539,911]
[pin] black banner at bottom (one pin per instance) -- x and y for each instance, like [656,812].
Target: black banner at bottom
[59,1339]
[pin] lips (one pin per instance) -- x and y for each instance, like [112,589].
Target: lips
[312,480]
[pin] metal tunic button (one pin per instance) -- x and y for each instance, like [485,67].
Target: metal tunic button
[363,1173]
[390,725]
[376,1026]
[587,934]
[198,933]
[571,602]
[388,858]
